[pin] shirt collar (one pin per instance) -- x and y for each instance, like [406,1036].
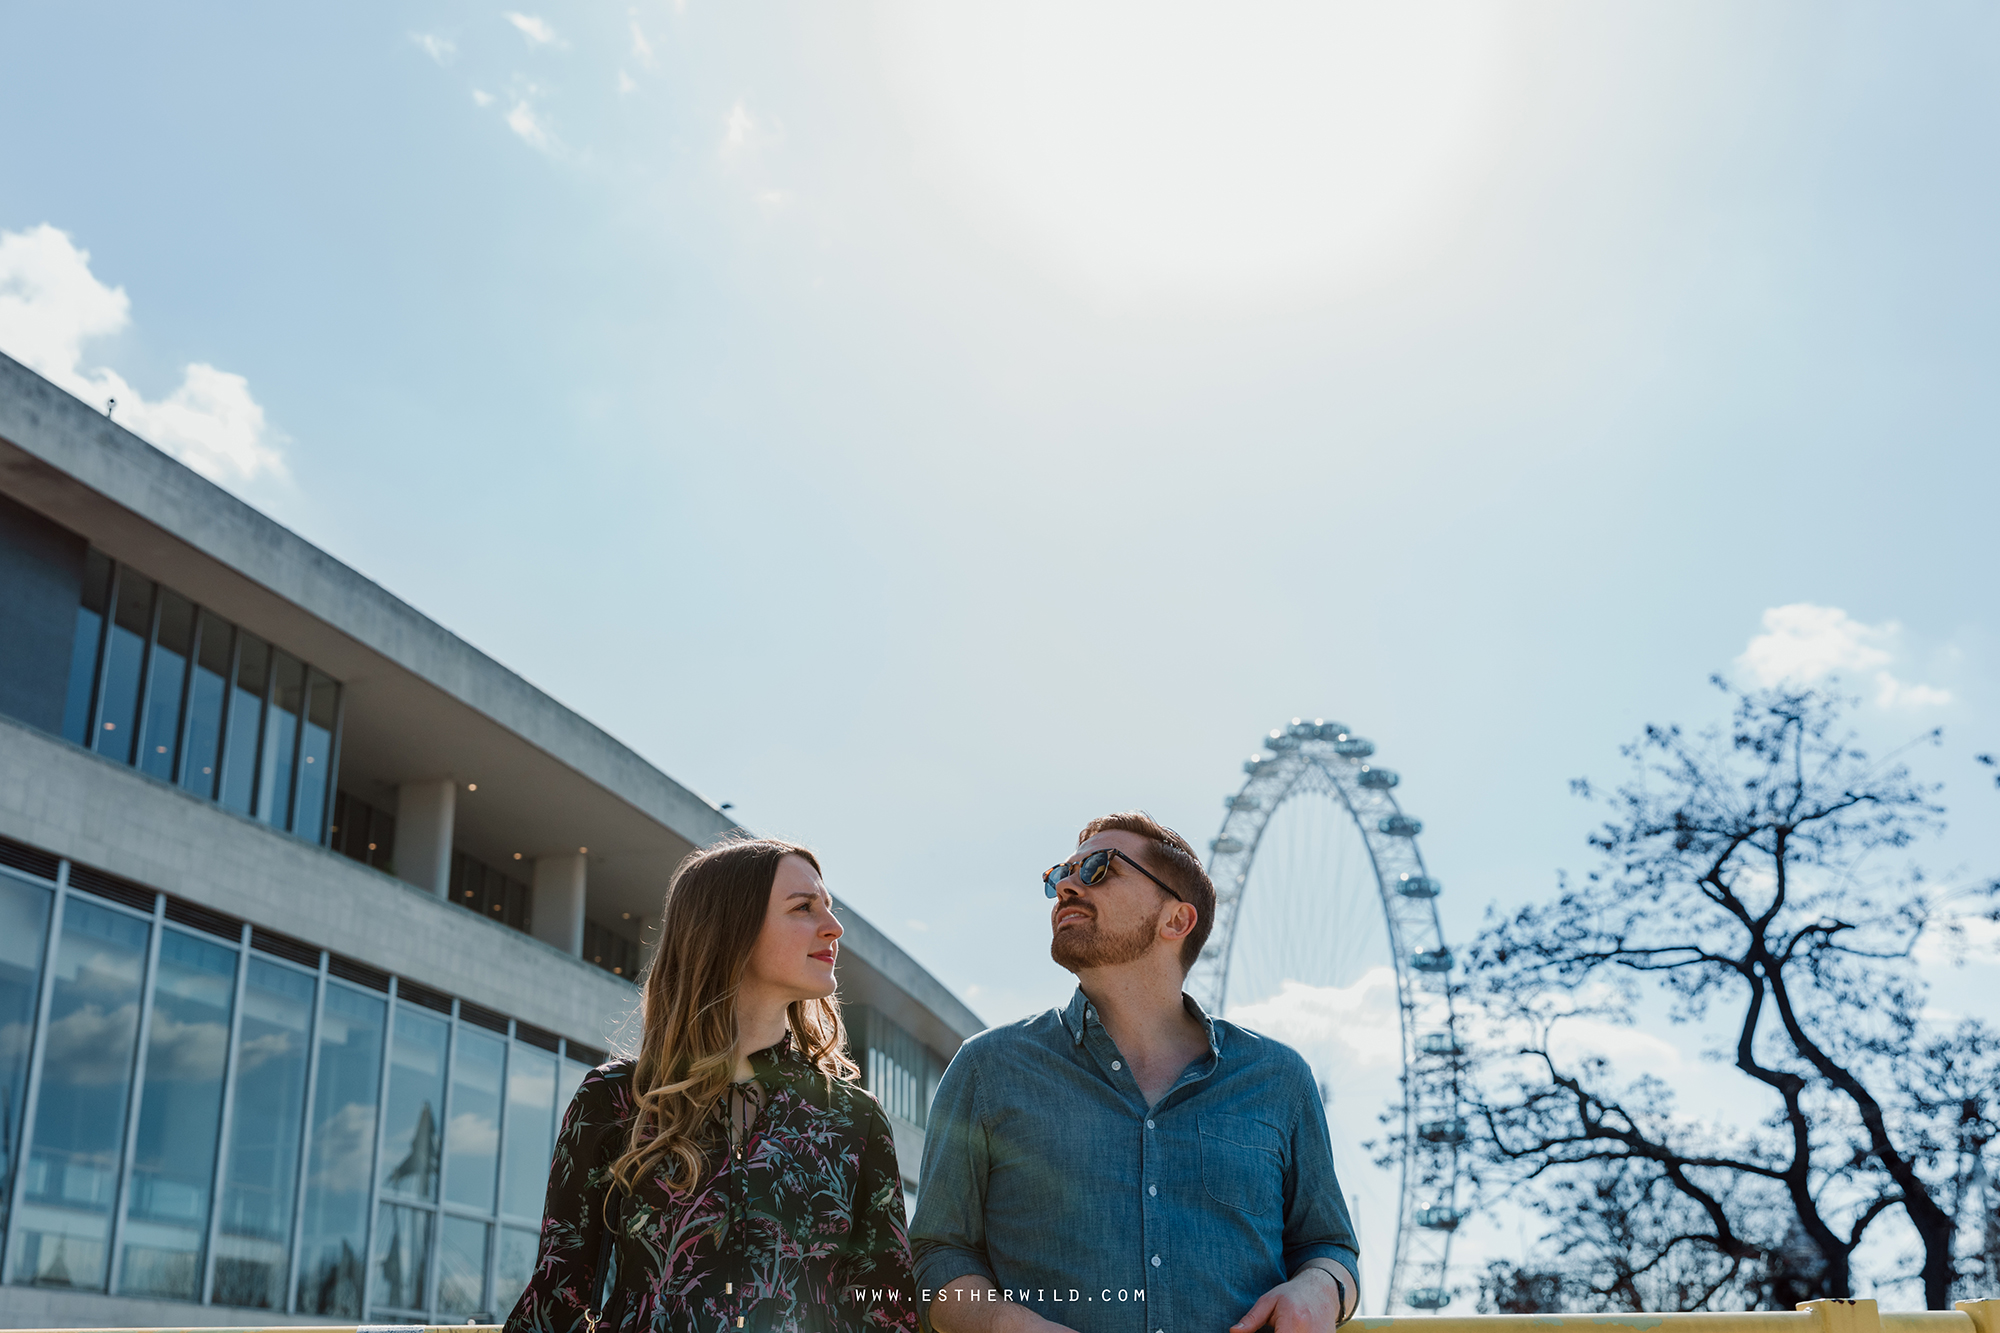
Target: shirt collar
[1080,1013]
[780,1054]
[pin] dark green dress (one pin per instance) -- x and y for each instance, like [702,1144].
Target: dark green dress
[796,1229]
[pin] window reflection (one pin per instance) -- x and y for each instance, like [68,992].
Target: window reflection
[281,739]
[131,622]
[262,1162]
[316,755]
[513,1263]
[24,928]
[64,1213]
[180,1115]
[203,738]
[461,1266]
[417,1261]
[473,1139]
[90,612]
[402,1257]
[164,679]
[223,713]
[343,1144]
[246,708]
[416,1096]
[531,1100]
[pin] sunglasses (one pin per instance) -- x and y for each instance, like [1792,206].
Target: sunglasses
[1090,871]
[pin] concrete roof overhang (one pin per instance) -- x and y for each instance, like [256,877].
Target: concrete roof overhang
[420,703]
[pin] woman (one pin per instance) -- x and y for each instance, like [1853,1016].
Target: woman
[733,1176]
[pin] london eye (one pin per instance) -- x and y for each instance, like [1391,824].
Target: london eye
[1326,935]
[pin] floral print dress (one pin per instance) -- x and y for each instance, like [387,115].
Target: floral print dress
[797,1228]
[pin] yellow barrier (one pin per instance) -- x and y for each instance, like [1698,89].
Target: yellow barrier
[1812,1317]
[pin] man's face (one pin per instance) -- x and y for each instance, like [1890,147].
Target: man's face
[1115,922]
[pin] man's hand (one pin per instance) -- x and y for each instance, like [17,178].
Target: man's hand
[969,1305]
[1312,1302]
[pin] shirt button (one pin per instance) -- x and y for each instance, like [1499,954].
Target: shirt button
[1149,1124]
[1156,1261]
[1152,1189]
[1116,1065]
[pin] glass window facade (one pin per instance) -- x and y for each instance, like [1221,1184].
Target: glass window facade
[480,888]
[608,949]
[901,1071]
[188,1110]
[363,832]
[180,1118]
[178,692]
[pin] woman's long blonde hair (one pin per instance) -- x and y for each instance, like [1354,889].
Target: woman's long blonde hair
[714,910]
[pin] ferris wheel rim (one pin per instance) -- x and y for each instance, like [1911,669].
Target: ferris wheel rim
[1319,758]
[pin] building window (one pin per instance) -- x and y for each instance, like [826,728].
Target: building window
[901,1071]
[254,1108]
[480,888]
[609,950]
[180,693]
[363,832]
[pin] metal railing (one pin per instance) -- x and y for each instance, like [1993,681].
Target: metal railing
[1811,1317]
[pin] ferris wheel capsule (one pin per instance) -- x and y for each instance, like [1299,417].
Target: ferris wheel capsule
[1317,757]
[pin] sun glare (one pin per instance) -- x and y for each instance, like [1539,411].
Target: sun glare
[1237,152]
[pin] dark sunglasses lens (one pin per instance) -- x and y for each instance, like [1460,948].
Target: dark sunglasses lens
[1094,868]
[1050,879]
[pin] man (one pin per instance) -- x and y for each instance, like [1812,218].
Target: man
[1130,1164]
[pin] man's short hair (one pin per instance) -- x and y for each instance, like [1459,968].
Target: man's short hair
[1168,855]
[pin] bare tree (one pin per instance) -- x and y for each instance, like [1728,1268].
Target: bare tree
[1751,880]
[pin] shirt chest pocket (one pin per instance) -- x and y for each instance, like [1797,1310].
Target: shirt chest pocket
[1243,1163]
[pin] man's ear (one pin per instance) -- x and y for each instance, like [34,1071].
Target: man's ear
[1179,922]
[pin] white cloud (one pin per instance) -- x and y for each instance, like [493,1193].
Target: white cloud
[626,84]
[1803,643]
[440,49]
[1959,937]
[524,121]
[642,50]
[481,98]
[51,305]
[1575,1039]
[1342,1026]
[536,30]
[743,133]
[1893,693]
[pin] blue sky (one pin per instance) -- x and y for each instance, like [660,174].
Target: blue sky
[929,429]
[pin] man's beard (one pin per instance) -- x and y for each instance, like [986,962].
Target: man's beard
[1090,945]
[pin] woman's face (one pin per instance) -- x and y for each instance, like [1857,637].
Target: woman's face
[794,954]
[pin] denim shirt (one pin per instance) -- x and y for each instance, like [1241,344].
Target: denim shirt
[1045,1171]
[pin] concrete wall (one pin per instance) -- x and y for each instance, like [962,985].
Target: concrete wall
[77,804]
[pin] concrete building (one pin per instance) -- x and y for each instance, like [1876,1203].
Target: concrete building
[311,916]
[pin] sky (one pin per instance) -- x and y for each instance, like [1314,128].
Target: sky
[926,428]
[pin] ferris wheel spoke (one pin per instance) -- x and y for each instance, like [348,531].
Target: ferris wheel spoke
[1323,905]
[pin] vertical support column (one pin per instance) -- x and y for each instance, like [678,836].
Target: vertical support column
[424,815]
[558,908]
